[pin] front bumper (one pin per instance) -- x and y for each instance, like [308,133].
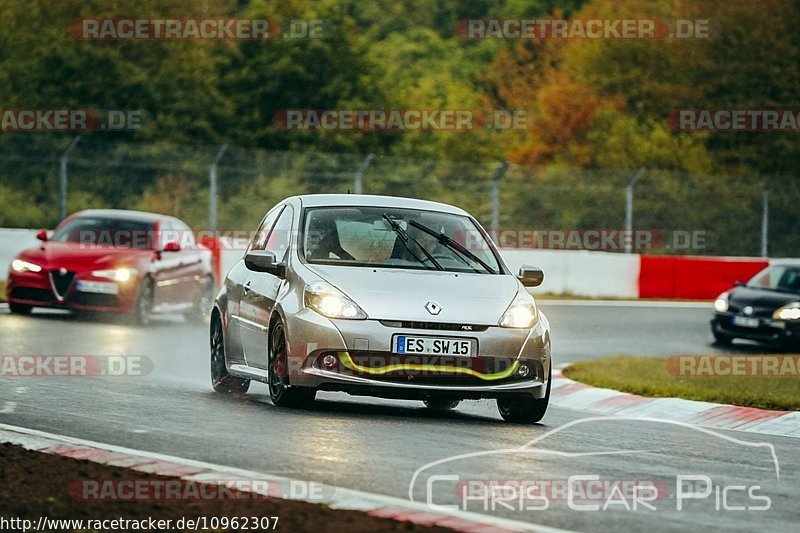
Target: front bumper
[769,330]
[365,364]
[37,289]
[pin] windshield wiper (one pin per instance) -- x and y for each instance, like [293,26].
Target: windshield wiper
[405,237]
[453,245]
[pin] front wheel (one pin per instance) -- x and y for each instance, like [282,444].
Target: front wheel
[20,309]
[281,392]
[221,380]
[525,410]
[144,302]
[202,309]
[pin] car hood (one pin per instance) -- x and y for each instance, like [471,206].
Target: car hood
[73,257]
[759,299]
[396,294]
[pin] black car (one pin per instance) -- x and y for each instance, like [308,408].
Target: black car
[765,309]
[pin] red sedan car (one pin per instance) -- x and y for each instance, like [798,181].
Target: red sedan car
[113,260]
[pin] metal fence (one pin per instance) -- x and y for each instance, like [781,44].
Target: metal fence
[230,187]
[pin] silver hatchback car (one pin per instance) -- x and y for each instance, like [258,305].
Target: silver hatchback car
[380,296]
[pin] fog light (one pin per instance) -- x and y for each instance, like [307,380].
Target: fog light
[523,371]
[329,361]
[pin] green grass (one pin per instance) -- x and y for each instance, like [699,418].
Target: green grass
[2,291]
[648,376]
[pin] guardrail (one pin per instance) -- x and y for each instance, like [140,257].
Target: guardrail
[569,272]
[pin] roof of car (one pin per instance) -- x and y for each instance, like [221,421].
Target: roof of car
[124,214]
[321,200]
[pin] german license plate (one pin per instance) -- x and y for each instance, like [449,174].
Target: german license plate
[101,287]
[745,321]
[459,347]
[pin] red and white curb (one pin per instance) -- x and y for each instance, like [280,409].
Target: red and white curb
[574,395]
[276,486]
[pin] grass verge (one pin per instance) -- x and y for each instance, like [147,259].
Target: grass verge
[2,291]
[649,376]
[38,484]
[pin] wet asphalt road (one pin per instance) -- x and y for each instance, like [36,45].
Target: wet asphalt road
[377,446]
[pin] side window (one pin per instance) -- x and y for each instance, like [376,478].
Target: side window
[281,235]
[260,238]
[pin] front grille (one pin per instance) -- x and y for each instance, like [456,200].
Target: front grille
[761,312]
[439,326]
[32,294]
[90,299]
[61,282]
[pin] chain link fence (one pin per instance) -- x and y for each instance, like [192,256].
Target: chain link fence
[550,207]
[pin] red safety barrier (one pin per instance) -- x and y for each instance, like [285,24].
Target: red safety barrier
[693,278]
[212,243]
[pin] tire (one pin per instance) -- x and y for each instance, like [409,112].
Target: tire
[201,313]
[281,392]
[144,302]
[221,380]
[525,410]
[441,405]
[720,339]
[19,309]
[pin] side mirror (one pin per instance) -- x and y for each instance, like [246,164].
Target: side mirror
[264,261]
[738,284]
[530,276]
[42,235]
[172,247]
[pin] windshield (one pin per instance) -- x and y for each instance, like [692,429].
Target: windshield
[782,278]
[113,232]
[396,238]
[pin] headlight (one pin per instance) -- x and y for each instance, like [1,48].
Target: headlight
[788,312]
[329,301]
[721,303]
[18,265]
[116,274]
[521,313]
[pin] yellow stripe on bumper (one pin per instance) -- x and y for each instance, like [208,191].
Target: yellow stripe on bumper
[352,365]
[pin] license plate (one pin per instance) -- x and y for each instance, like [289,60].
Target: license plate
[745,321]
[100,287]
[459,347]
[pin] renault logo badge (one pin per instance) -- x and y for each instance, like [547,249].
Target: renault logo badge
[433,308]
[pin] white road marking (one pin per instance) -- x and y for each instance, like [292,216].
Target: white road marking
[21,390]
[8,408]
[343,498]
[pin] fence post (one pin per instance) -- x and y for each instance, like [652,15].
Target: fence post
[494,196]
[212,189]
[765,223]
[358,187]
[628,239]
[62,178]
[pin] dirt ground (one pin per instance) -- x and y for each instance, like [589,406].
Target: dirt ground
[36,484]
